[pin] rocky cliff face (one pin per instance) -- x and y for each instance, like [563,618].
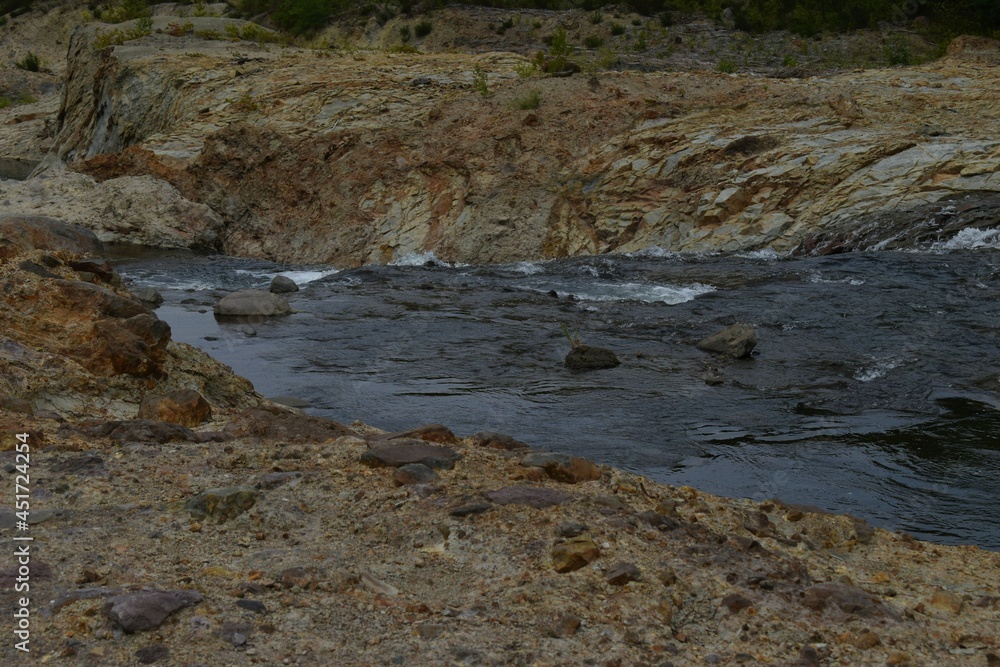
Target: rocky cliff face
[319,156]
[75,343]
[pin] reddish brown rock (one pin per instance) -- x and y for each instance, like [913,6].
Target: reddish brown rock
[620,574]
[495,440]
[271,421]
[848,599]
[563,467]
[532,496]
[35,232]
[438,433]
[185,407]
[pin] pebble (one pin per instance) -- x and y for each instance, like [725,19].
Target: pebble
[565,626]
[563,467]
[147,655]
[947,601]
[222,504]
[473,508]
[571,529]
[574,554]
[256,606]
[620,574]
[736,603]
[415,473]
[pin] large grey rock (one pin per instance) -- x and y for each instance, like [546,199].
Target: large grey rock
[150,296]
[146,610]
[414,451]
[252,302]
[282,284]
[42,233]
[737,341]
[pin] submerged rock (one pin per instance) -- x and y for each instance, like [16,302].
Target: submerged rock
[283,284]
[587,358]
[252,302]
[150,296]
[737,341]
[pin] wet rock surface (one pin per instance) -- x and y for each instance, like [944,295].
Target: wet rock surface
[737,341]
[587,358]
[247,303]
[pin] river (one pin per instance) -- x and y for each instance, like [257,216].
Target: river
[874,389]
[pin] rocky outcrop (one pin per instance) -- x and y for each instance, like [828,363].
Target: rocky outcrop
[75,342]
[369,156]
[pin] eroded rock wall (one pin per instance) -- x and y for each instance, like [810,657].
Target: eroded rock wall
[316,156]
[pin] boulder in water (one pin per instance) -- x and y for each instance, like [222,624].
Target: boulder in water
[282,284]
[587,358]
[150,296]
[737,341]
[252,302]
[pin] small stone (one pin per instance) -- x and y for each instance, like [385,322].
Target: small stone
[282,285]
[946,601]
[256,606]
[531,496]
[185,407]
[737,341]
[195,527]
[247,330]
[574,554]
[587,358]
[222,504]
[571,529]
[497,441]
[620,574]
[235,632]
[430,630]
[468,510]
[375,585]
[563,467]
[306,578]
[566,625]
[147,655]
[147,610]
[414,473]
[736,603]
[275,479]
[865,640]
[396,456]
[150,296]
[847,598]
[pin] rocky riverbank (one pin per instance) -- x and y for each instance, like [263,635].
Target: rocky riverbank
[242,532]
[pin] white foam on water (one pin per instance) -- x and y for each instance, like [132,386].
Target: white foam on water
[971,239]
[653,252]
[765,254]
[875,371]
[422,259]
[526,268]
[668,294]
[306,277]
[816,277]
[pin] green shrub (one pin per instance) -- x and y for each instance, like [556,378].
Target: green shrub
[617,29]
[423,29]
[596,17]
[142,27]
[404,33]
[593,42]
[790,61]
[30,62]
[897,51]
[530,100]
[480,81]
[126,10]
[507,24]
[726,66]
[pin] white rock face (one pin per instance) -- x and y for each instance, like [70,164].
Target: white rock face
[130,209]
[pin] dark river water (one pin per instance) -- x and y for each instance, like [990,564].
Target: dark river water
[874,389]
